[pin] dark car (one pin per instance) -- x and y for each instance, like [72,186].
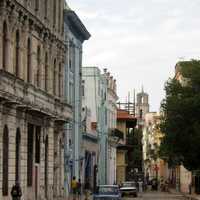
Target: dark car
[107,192]
[129,189]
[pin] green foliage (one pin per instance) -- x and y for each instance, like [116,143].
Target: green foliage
[135,153]
[181,120]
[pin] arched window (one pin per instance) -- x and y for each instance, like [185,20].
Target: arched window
[5,161]
[29,60]
[60,164]
[17,41]
[5,46]
[54,77]
[38,67]
[45,8]
[141,113]
[17,155]
[60,80]
[30,155]
[46,73]
[37,6]
[54,12]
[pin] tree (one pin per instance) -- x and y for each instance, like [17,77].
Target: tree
[181,118]
[135,152]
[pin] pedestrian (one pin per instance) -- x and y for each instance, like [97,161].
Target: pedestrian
[74,187]
[16,191]
[79,189]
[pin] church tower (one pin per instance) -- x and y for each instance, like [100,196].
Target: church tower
[142,106]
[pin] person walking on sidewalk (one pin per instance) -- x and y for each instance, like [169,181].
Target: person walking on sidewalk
[74,187]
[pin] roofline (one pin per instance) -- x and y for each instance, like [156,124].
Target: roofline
[77,23]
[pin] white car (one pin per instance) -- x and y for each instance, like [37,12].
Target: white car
[128,188]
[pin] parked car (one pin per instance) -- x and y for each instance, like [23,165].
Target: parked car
[128,188]
[107,192]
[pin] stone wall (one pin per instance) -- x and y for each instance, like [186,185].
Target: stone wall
[31,92]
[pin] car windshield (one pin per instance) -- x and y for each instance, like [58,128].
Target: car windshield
[108,190]
[129,184]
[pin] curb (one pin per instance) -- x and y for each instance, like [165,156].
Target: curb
[189,197]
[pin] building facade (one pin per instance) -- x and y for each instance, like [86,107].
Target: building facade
[75,34]
[94,99]
[125,125]
[112,125]
[33,111]
[154,167]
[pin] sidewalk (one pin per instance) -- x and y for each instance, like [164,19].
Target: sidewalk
[70,197]
[188,196]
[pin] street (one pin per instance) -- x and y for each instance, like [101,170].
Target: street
[157,196]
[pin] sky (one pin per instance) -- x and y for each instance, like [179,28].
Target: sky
[140,41]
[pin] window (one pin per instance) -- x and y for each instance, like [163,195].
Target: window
[54,11]
[5,45]
[46,72]
[70,64]
[83,89]
[45,8]
[46,165]
[38,67]
[29,61]
[37,144]
[16,70]
[5,161]
[17,155]
[37,5]
[141,113]
[60,80]
[142,99]
[30,155]
[59,15]
[54,78]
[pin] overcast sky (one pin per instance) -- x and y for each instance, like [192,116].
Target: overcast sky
[140,41]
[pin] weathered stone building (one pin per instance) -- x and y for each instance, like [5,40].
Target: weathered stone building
[32,107]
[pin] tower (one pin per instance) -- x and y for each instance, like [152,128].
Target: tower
[142,106]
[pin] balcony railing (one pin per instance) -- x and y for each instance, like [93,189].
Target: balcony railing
[16,91]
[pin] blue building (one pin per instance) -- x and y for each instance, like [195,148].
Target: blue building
[75,34]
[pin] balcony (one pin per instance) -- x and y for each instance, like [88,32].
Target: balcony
[15,91]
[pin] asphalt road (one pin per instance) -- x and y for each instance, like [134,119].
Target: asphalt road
[156,196]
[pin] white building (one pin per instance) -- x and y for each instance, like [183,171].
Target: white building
[100,98]
[112,121]
[94,100]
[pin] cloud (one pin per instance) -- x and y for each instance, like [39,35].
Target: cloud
[140,41]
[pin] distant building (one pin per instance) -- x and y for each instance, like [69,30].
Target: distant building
[154,167]
[94,100]
[112,125]
[99,104]
[142,107]
[125,124]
